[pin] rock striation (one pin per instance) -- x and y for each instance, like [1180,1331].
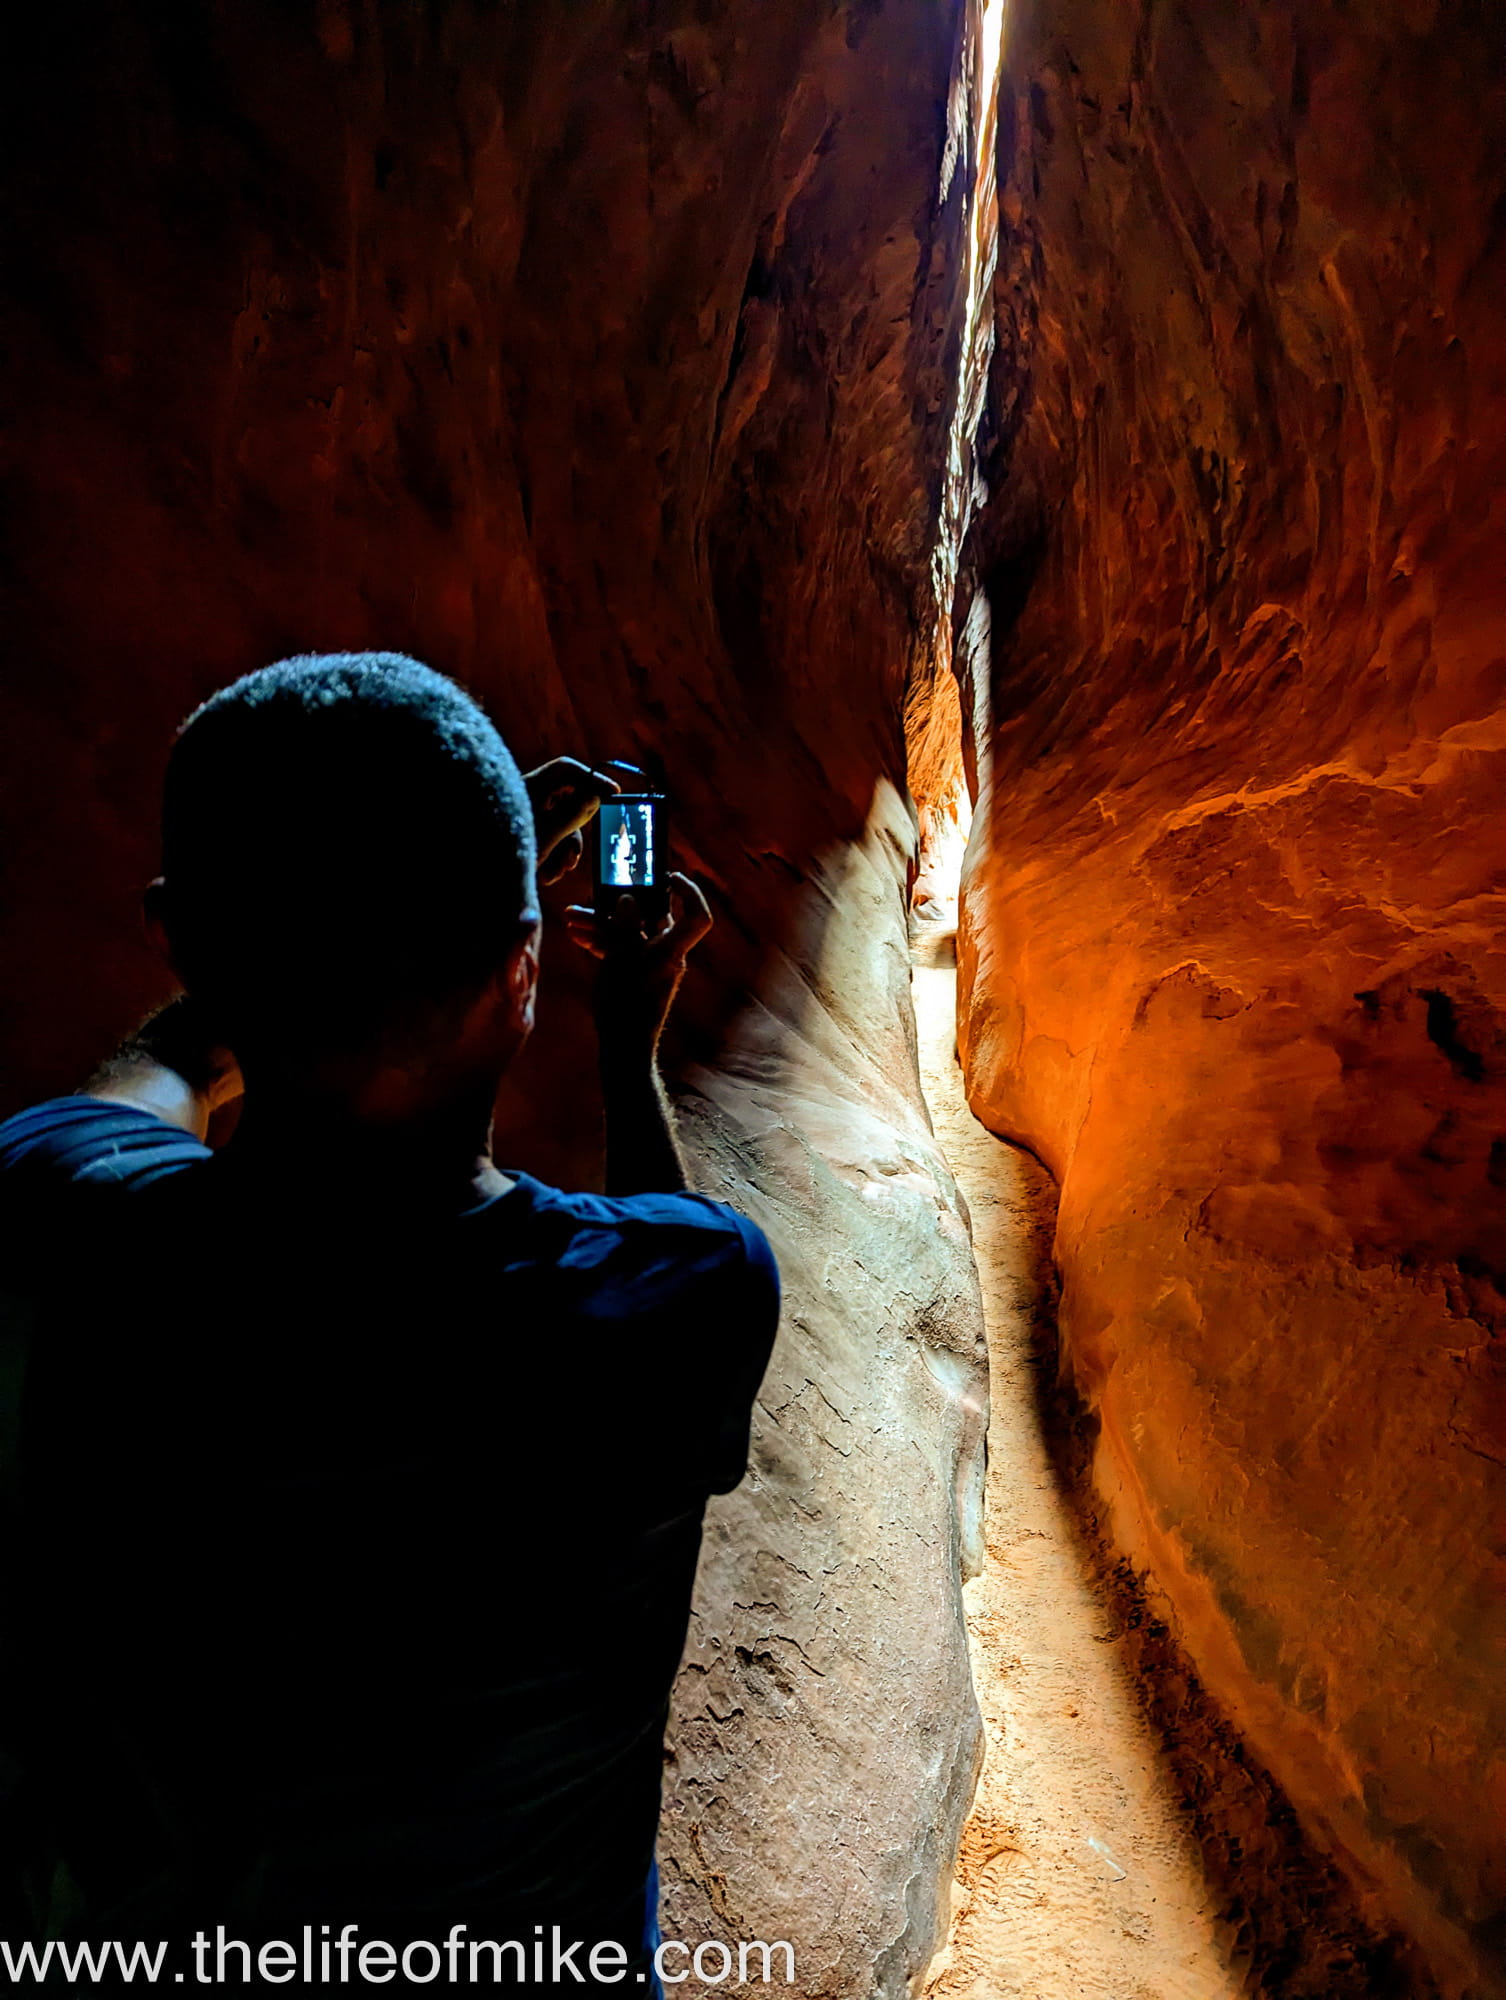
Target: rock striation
[1231,647]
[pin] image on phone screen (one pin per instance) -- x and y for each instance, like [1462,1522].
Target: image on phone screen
[625,831]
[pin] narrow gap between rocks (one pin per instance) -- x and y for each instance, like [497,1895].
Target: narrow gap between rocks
[1122,1843]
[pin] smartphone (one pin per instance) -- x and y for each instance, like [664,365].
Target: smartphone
[630,856]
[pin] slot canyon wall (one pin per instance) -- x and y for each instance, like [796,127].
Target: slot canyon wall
[601,355]
[1233,652]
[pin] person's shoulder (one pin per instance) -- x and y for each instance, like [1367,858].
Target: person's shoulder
[646,1217]
[657,1235]
[91,1140]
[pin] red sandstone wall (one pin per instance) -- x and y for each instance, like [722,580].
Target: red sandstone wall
[1233,946]
[600,352]
[595,353]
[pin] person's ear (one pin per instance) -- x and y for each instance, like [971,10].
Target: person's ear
[154,917]
[522,976]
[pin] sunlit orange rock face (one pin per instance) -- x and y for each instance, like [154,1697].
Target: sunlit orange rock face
[602,357]
[1233,955]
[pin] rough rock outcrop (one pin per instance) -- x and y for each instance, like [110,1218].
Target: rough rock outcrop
[1233,946]
[602,356]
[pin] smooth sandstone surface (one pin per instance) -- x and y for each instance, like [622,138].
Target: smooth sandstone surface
[825,1703]
[1232,952]
[603,357]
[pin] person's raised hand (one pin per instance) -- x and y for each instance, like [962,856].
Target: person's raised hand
[564,794]
[640,970]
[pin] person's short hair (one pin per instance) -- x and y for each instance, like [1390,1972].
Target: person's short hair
[346,842]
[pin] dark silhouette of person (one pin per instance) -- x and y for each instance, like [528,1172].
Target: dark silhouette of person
[360,1482]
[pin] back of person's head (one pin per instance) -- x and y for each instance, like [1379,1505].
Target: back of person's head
[348,850]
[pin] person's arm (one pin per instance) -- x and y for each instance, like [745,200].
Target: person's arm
[638,979]
[173,1066]
[643,1153]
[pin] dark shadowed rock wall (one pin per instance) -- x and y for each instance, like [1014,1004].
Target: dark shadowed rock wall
[1233,957]
[600,354]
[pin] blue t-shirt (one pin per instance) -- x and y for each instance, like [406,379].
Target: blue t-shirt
[357,1539]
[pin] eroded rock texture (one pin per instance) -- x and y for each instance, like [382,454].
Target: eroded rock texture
[600,354]
[1233,948]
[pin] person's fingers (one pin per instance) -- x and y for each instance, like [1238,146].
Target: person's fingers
[564,793]
[689,914]
[551,783]
[656,938]
[561,773]
[583,795]
[562,858]
[583,929]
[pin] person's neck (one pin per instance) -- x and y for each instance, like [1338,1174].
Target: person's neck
[440,1155]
